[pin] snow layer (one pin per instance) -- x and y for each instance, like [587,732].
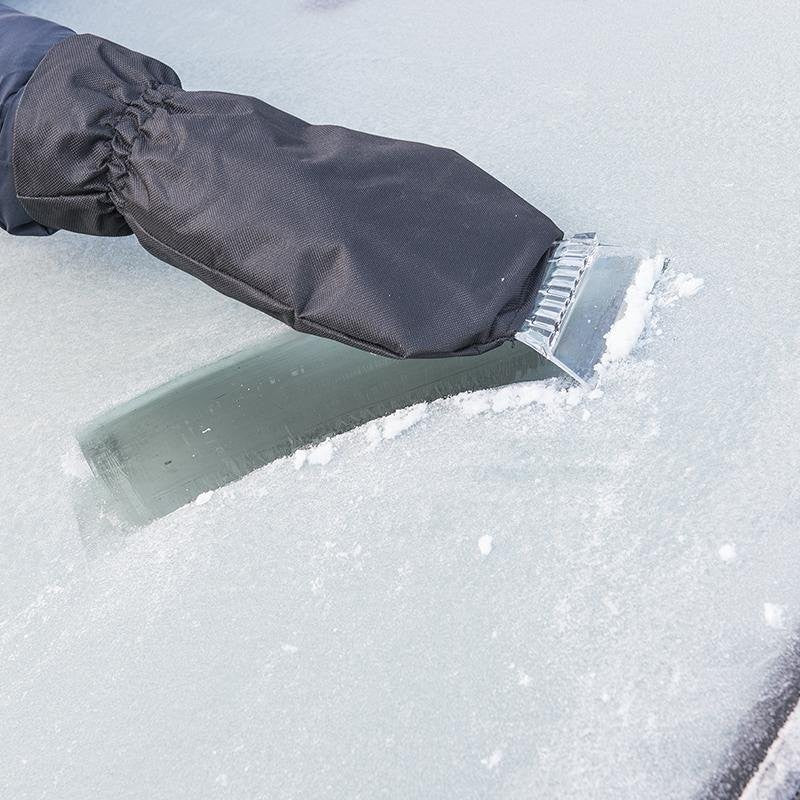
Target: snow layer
[625,332]
[332,631]
[778,775]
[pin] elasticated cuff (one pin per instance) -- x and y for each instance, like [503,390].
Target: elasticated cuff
[24,40]
[75,129]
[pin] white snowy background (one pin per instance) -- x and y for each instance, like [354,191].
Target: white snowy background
[522,594]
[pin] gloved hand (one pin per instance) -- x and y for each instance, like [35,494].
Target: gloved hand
[395,247]
[24,40]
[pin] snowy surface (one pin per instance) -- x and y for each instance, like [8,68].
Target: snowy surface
[778,775]
[333,628]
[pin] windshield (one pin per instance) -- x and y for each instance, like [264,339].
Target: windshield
[524,592]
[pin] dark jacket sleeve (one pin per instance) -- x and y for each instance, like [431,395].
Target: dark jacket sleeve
[396,247]
[24,40]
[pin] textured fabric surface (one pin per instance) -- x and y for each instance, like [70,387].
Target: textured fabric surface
[24,40]
[397,247]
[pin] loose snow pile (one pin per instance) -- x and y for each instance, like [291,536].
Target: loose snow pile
[398,422]
[319,455]
[517,395]
[203,498]
[625,332]
[681,286]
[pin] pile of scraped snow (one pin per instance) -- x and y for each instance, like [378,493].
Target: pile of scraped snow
[679,287]
[625,332]
[397,423]
[318,455]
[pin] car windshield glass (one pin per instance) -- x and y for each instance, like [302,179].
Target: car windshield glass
[530,591]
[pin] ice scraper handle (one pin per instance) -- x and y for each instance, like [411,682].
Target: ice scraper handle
[395,247]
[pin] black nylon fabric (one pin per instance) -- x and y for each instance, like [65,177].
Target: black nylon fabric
[396,247]
[24,41]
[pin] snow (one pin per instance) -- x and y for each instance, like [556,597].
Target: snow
[727,551]
[400,421]
[551,393]
[319,455]
[625,332]
[203,498]
[778,774]
[686,285]
[493,760]
[775,615]
[485,544]
[682,285]
[151,662]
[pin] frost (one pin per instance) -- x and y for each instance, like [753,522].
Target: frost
[159,662]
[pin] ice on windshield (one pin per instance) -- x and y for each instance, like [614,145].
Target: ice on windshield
[523,592]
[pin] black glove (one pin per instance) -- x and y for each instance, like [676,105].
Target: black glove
[396,247]
[24,40]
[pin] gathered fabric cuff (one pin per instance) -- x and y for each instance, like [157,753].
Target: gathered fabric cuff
[24,41]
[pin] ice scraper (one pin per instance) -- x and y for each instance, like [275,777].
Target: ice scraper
[392,247]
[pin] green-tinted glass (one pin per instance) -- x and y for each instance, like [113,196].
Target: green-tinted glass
[217,424]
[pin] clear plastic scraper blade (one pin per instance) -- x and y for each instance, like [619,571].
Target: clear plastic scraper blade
[583,292]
